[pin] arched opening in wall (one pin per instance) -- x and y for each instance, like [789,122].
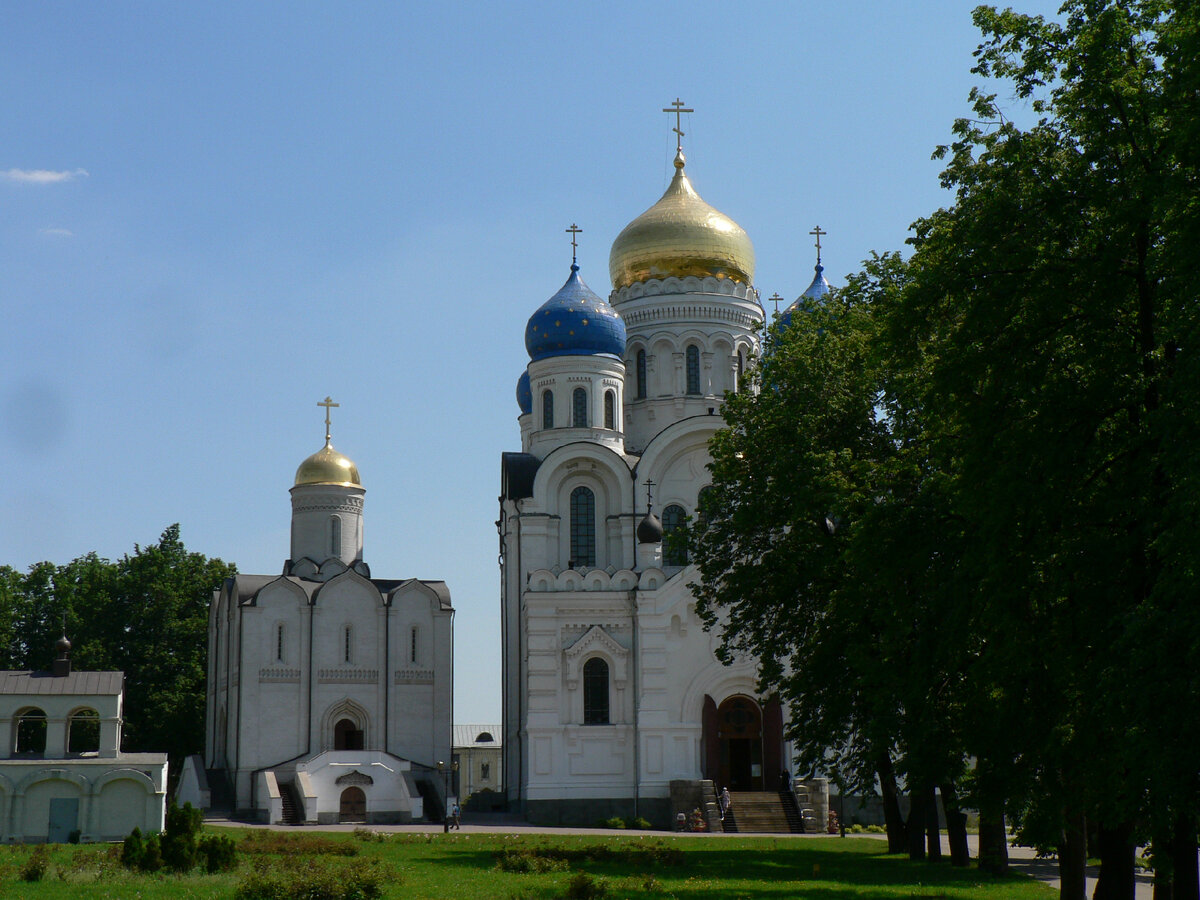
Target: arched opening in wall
[741,370]
[335,535]
[675,551]
[547,409]
[610,410]
[595,692]
[740,744]
[83,731]
[30,732]
[693,369]
[579,408]
[353,806]
[641,375]
[583,529]
[347,736]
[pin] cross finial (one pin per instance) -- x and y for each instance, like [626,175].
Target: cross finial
[679,109]
[649,495]
[574,231]
[775,296]
[328,404]
[818,232]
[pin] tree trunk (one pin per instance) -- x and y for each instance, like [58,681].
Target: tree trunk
[993,841]
[1164,885]
[916,824]
[1183,857]
[1072,859]
[893,819]
[956,826]
[933,835]
[1116,880]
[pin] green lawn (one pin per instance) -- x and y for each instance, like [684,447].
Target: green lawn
[466,866]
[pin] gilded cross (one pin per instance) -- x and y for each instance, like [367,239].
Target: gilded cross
[574,231]
[818,232]
[328,404]
[679,109]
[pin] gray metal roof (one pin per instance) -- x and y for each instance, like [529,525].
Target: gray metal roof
[92,683]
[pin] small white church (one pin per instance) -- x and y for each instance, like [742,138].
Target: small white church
[329,691]
[612,689]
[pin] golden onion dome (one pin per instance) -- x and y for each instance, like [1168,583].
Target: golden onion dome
[681,235]
[327,466]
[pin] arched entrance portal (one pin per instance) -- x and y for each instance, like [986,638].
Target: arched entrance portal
[346,736]
[353,807]
[740,744]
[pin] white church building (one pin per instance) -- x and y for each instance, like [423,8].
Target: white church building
[329,691]
[612,690]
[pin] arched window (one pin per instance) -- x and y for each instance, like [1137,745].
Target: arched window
[595,692]
[641,375]
[31,732]
[579,417]
[547,409]
[693,369]
[741,371]
[583,528]
[83,732]
[485,771]
[335,535]
[347,645]
[674,546]
[610,410]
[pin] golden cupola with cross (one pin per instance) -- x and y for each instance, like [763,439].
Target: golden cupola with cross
[327,513]
[681,236]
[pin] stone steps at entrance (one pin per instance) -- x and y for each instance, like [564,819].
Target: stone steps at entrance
[291,808]
[762,812]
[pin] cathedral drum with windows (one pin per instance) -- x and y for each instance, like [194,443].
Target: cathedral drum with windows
[329,691]
[611,687]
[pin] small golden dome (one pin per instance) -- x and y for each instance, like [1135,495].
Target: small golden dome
[327,466]
[681,235]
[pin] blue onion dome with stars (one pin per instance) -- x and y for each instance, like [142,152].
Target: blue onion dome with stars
[524,393]
[814,293]
[574,322]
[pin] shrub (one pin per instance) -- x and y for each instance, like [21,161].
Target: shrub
[614,822]
[639,823]
[219,852]
[179,851]
[132,849]
[355,881]
[35,867]
[278,842]
[583,886]
[151,860]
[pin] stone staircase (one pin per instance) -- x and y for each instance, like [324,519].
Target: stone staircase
[763,812]
[291,804]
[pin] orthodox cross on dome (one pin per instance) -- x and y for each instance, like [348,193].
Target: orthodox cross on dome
[574,231]
[679,109]
[328,404]
[818,232]
[775,296]
[649,495]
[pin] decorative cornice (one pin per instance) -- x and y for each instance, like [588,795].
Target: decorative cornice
[355,777]
[343,675]
[414,676]
[689,285]
[278,674]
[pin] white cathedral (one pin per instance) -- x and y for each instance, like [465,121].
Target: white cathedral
[329,691]
[611,686]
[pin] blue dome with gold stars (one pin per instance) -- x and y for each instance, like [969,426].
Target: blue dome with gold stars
[814,293]
[574,322]
[524,394]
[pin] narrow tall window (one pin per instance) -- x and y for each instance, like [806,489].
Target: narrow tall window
[610,410]
[547,409]
[347,656]
[335,535]
[693,369]
[595,692]
[741,370]
[674,546]
[279,642]
[583,528]
[641,375]
[579,417]
[412,645]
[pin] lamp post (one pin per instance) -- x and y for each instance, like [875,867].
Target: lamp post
[446,770]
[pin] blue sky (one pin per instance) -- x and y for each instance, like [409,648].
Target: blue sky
[212,215]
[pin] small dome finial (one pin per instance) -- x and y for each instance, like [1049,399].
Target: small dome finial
[818,232]
[328,404]
[679,109]
[574,231]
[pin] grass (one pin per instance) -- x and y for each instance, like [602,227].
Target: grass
[540,867]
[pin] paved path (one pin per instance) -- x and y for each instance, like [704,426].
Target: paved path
[1021,859]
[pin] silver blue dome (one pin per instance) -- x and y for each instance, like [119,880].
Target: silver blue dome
[574,322]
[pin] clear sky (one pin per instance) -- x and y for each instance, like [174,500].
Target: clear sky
[212,215]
